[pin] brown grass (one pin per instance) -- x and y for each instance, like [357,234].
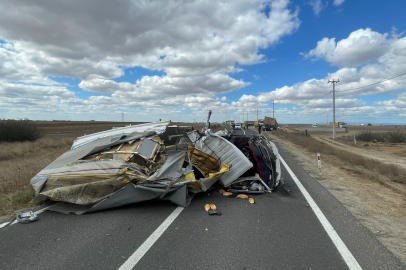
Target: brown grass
[378,171]
[19,162]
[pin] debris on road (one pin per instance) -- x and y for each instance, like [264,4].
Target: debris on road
[251,200]
[214,212]
[26,217]
[242,196]
[207,207]
[156,161]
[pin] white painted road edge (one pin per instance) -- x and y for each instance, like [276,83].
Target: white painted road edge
[15,221]
[342,248]
[140,252]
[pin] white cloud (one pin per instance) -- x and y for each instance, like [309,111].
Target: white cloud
[314,95]
[338,2]
[361,46]
[195,45]
[317,6]
[81,41]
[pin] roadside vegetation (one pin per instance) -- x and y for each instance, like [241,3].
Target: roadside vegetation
[19,162]
[19,131]
[388,137]
[375,170]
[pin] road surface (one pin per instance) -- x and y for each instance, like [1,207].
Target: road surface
[280,231]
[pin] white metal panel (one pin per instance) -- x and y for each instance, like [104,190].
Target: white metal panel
[158,127]
[227,153]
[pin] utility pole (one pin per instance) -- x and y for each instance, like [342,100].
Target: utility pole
[273,108]
[122,117]
[327,119]
[247,116]
[257,114]
[334,106]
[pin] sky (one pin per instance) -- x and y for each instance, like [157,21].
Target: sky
[176,60]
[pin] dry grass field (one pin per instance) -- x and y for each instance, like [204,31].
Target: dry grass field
[20,161]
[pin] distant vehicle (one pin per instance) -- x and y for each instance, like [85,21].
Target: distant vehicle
[249,123]
[259,122]
[314,125]
[230,122]
[238,126]
[339,124]
[269,123]
[342,125]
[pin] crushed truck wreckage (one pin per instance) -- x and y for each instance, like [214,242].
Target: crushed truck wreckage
[155,161]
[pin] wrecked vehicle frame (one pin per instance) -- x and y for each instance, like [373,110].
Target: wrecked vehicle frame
[155,161]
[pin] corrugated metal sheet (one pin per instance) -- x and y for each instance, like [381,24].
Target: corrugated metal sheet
[158,127]
[226,152]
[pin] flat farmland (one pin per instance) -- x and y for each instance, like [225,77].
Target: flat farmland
[74,129]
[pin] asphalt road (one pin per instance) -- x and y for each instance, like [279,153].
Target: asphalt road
[279,231]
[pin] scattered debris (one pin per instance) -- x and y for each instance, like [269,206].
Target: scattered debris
[26,217]
[251,200]
[156,161]
[242,196]
[207,207]
[214,212]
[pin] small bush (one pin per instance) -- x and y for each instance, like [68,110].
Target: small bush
[18,131]
[368,136]
[391,137]
[396,137]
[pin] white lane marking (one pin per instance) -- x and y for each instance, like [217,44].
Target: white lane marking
[140,252]
[342,248]
[243,131]
[16,221]
[4,224]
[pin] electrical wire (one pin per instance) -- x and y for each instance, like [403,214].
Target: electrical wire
[372,83]
[323,95]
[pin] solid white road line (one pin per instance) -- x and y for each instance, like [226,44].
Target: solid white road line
[342,248]
[4,224]
[140,252]
[16,221]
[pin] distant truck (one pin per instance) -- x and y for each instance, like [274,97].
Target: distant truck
[269,123]
[230,122]
[249,123]
[259,122]
[339,124]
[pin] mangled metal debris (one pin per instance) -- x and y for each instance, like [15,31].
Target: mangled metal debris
[155,161]
[26,217]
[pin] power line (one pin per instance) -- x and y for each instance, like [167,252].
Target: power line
[323,95]
[372,83]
